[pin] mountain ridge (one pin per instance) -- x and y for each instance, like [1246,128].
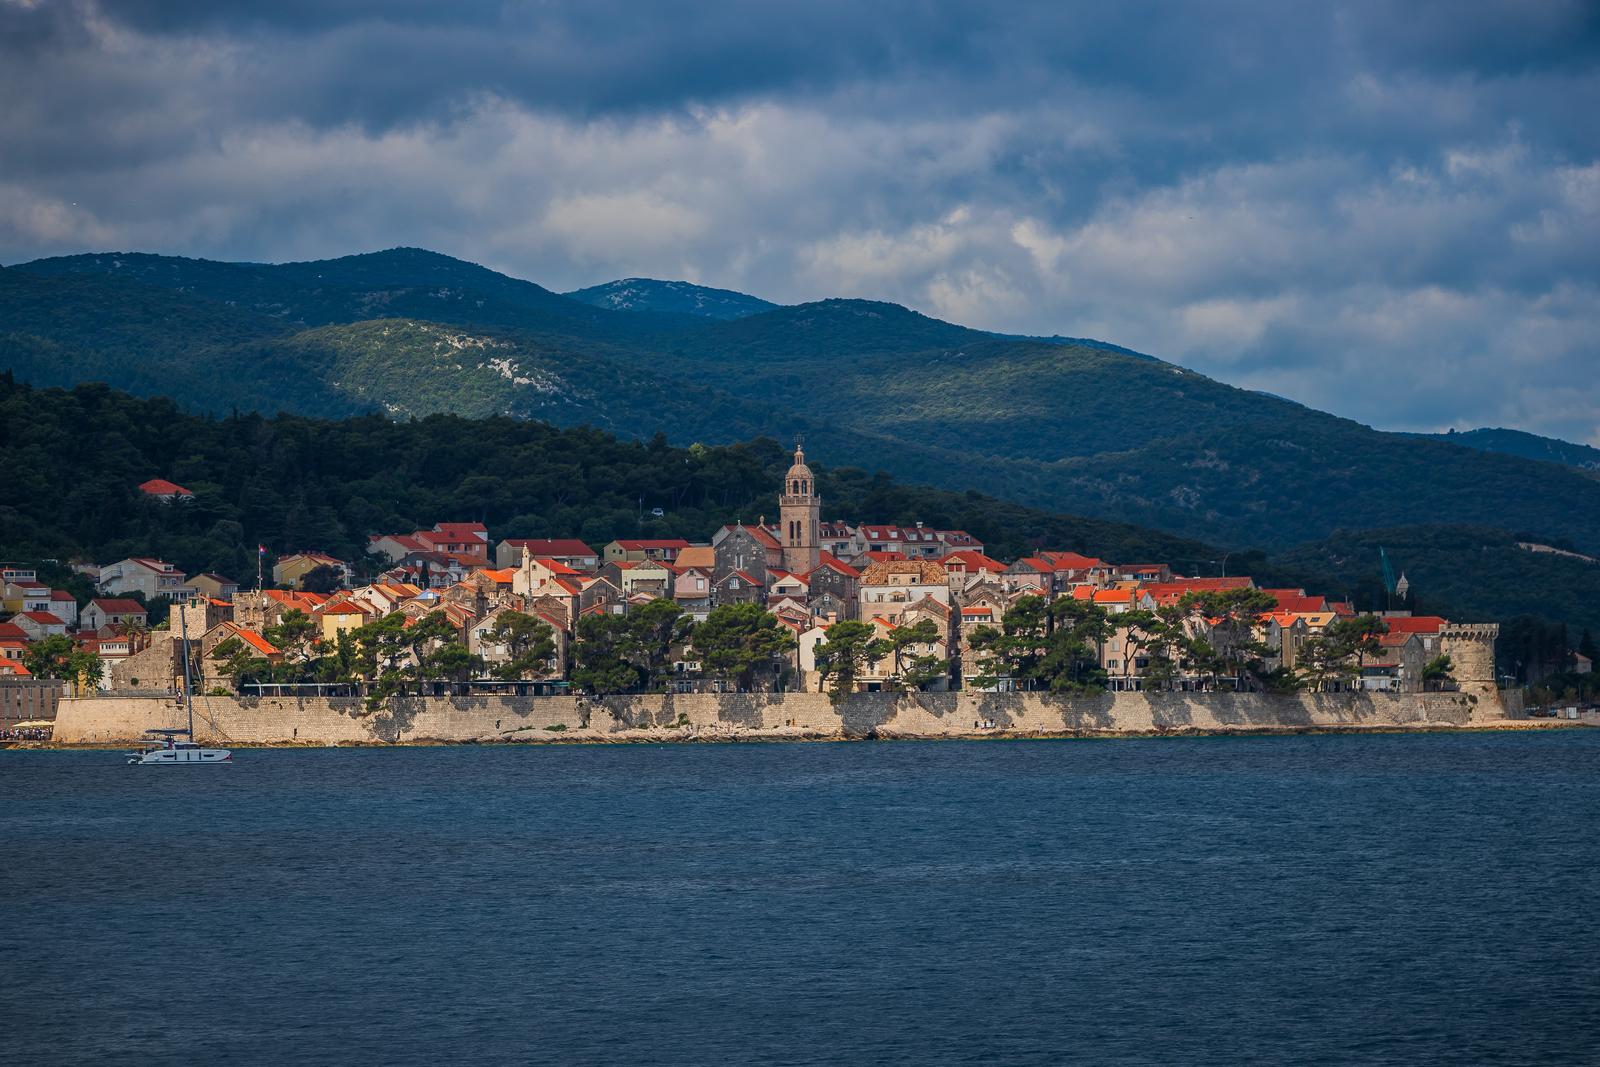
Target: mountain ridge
[871,384]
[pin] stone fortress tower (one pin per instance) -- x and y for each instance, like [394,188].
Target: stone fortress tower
[800,517]
[1470,647]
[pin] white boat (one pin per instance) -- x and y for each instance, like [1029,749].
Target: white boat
[163,747]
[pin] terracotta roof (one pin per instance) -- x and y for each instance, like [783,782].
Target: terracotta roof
[832,562]
[1070,561]
[884,557]
[555,566]
[162,487]
[551,546]
[502,576]
[461,530]
[14,668]
[118,606]
[703,556]
[44,618]
[926,571]
[344,607]
[62,596]
[10,631]
[1179,586]
[253,639]
[973,560]
[641,545]
[1113,596]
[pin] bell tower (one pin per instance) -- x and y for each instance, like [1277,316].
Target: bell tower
[800,516]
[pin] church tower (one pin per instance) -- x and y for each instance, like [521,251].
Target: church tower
[800,510]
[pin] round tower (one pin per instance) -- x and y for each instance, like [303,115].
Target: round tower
[800,517]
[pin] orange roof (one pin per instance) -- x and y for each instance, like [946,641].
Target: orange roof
[253,639]
[14,668]
[1070,561]
[162,487]
[548,546]
[832,562]
[503,576]
[973,560]
[118,606]
[1113,596]
[344,607]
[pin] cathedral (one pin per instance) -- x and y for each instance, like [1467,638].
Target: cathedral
[800,522]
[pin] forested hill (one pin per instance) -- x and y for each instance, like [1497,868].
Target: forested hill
[75,457]
[1526,445]
[1058,426]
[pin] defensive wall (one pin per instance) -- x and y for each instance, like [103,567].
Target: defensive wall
[335,721]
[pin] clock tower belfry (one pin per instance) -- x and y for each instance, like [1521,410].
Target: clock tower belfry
[800,517]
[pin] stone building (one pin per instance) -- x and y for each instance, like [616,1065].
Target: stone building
[800,517]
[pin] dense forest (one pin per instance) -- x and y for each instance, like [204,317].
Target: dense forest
[76,456]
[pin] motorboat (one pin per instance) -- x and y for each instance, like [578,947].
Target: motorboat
[163,747]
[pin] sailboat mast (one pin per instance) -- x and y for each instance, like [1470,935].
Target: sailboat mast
[183,633]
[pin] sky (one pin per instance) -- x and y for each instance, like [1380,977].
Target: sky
[1390,211]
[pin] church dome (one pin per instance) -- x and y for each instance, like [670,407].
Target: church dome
[799,481]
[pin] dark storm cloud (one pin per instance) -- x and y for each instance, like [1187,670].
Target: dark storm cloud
[1388,210]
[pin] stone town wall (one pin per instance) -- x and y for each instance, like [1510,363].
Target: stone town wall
[333,721]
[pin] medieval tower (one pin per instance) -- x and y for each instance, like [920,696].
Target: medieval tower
[800,511]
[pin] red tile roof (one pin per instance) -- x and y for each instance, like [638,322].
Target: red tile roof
[162,487]
[44,618]
[1070,561]
[640,546]
[547,546]
[118,606]
[972,560]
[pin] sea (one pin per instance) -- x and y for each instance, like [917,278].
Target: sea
[1349,899]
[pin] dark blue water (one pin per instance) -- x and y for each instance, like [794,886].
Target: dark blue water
[1367,899]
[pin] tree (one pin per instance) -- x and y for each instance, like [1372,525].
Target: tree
[292,635]
[1052,645]
[1438,672]
[322,578]
[529,643]
[1162,637]
[1339,652]
[655,635]
[599,656]
[916,671]
[844,656]
[240,664]
[57,657]
[739,642]
[1231,646]
[629,653]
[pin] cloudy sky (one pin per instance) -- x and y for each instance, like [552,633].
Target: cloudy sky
[1387,210]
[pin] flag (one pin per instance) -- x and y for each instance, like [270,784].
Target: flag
[261,550]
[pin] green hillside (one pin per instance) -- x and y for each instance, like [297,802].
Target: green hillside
[292,482]
[1058,426]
